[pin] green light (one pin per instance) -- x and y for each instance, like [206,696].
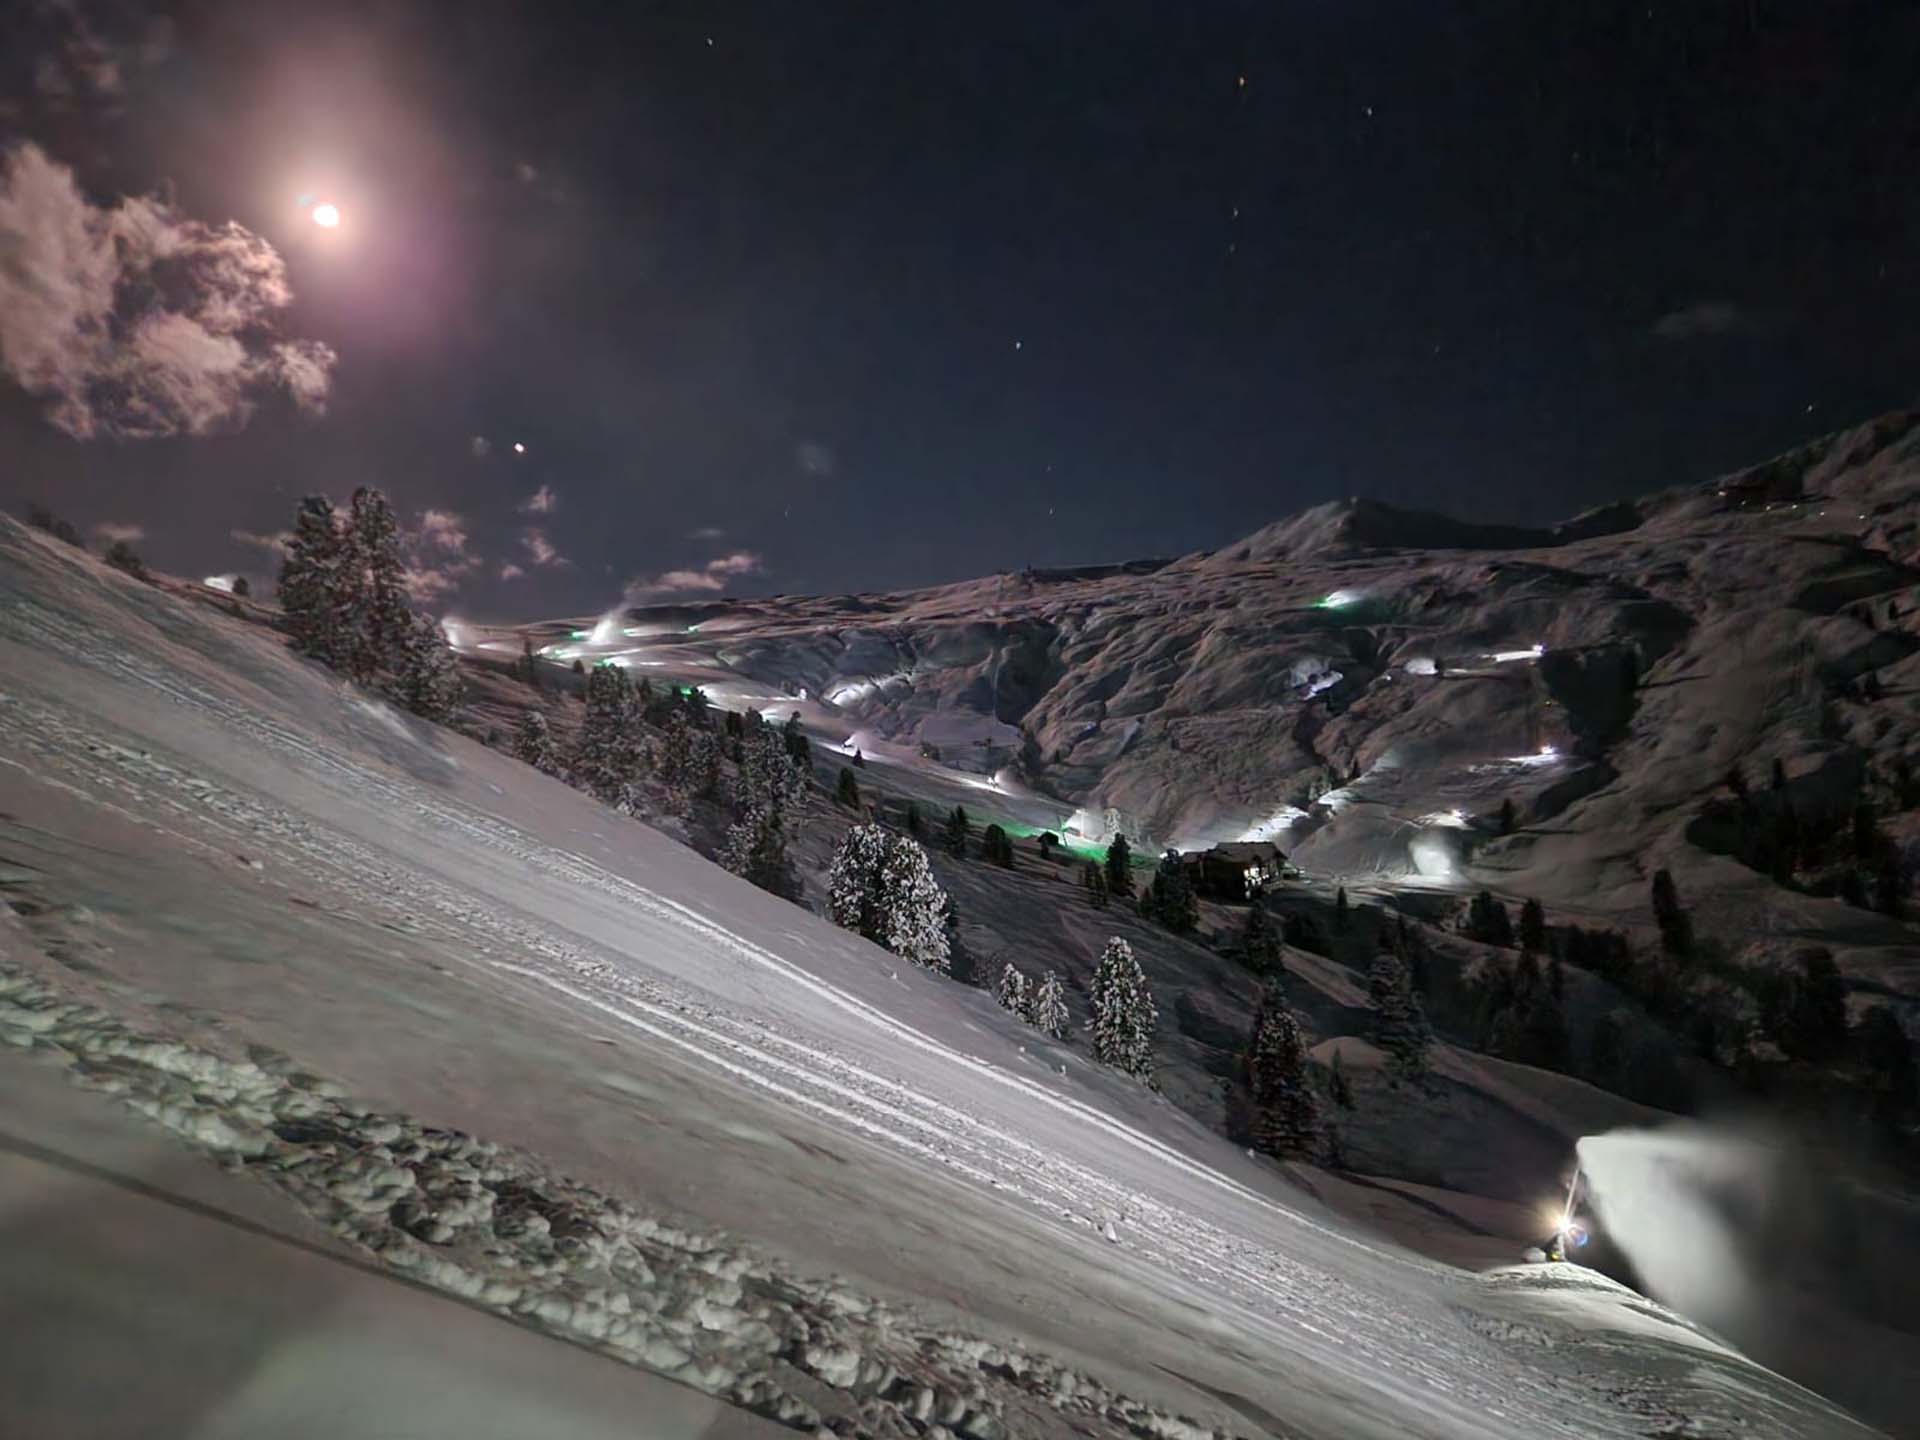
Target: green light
[1081,849]
[579,634]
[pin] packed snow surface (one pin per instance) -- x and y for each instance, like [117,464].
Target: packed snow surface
[239,876]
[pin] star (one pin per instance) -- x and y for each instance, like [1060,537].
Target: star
[519,448]
[1018,343]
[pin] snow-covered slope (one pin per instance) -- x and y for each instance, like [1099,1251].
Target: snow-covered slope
[1369,686]
[315,938]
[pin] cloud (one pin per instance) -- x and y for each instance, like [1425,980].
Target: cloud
[707,532]
[443,530]
[741,562]
[542,502]
[481,447]
[426,585]
[135,321]
[89,57]
[272,544]
[510,571]
[1705,317]
[712,576]
[434,556]
[111,531]
[540,549]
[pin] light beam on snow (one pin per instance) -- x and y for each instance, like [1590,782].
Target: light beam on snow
[1504,657]
[1432,856]
[1274,825]
[1338,600]
[219,582]
[1445,819]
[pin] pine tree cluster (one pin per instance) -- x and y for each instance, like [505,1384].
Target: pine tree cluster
[689,756]
[533,743]
[769,787]
[1399,1023]
[880,885]
[609,753]
[343,593]
[1523,1013]
[1043,1006]
[1488,921]
[1169,897]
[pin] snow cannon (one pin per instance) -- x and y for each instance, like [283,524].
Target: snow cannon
[1570,1233]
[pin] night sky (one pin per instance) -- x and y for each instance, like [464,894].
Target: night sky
[827,297]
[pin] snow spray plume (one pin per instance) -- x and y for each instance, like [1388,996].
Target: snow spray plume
[1792,1256]
[1671,1200]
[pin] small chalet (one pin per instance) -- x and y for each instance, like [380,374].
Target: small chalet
[1237,872]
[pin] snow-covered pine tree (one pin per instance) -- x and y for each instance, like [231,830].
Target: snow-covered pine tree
[880,884]
[1123,1012]
[312,580]
[853,881]
[1399,1024]
[374,591]
[606,757]
[767,775]
[756,851]
[533,743]
[689,760]
[916,906]
[1285,1118]
[1048,1009]
[427,677]
[1012,991]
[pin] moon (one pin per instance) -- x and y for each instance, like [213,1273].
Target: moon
[326,215]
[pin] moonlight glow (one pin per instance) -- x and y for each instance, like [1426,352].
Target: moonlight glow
[326,215]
